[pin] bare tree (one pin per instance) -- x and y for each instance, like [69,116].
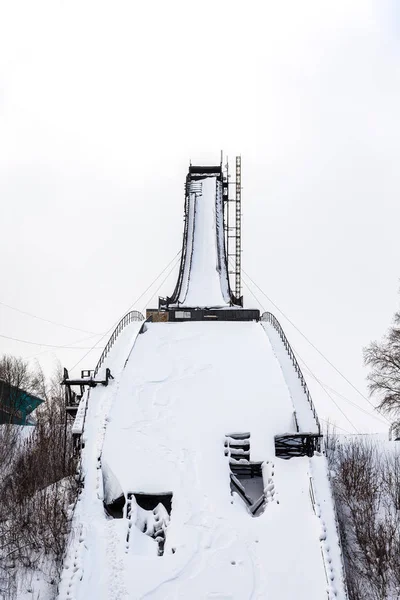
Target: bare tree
[384,377]
[366,489]
[37,482]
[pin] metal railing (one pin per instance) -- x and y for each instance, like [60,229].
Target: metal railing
[173,299]
[192,192]
[270,318]
[133,315]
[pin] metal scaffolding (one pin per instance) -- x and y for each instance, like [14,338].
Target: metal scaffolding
[238,199]
[233,227]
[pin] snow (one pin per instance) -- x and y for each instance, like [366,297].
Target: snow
[304,414]
[180,395]
[325,510]
[90,503]
[159,427]
[205,279]
[35,584]
[111,487]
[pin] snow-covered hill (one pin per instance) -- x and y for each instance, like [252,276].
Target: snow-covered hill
[160,427]
[184,496]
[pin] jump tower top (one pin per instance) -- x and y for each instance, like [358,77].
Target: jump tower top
[209,279]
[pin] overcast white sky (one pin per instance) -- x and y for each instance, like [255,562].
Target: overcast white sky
[102,104]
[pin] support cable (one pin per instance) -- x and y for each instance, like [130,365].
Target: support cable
[7,337]
[334,425]
[316,349]
[131,306]
[323,385]
[163,281]
[327,393]
[66,346]
[24,312]
[326,386]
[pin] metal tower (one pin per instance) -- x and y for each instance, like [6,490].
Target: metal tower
[238,231]
[233,227]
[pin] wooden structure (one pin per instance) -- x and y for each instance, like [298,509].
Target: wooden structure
[297,444]
[87,379]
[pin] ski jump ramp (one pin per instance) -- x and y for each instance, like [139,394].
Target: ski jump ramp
[182,442]
[203,278]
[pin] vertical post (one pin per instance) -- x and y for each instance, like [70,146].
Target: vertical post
[238,263]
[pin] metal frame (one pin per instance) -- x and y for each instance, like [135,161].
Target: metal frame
[238,225]
[233,229]
[297,444]
[88,377]
[133,315]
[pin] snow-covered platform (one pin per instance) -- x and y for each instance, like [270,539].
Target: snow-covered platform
[160,428]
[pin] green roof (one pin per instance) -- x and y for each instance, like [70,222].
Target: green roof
[16,404]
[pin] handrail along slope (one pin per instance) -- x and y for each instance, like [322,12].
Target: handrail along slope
[133,315]
[270,318]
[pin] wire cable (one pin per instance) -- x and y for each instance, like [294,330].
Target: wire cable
[315,348]
[334,425]
[152,283]
[324,386]
[66,346]
[163,281]
[131,306]
[327,393]
[370,414]
[23,312]
[7,337]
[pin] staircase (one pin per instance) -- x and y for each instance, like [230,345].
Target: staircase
[246,476]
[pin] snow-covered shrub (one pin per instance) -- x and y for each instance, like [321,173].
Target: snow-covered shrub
[366,486]
[37,486]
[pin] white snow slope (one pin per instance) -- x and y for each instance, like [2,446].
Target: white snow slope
[160,427]
[304,414]
[205,279]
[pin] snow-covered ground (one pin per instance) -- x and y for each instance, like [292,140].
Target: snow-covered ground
[160,427]
[304,414]
[180,391]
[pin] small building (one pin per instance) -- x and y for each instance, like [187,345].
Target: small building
[16,405]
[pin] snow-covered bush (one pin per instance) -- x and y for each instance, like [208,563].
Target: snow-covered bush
[37,486]
[366,485]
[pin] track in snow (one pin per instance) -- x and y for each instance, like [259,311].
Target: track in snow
[160,427]
[183,389]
